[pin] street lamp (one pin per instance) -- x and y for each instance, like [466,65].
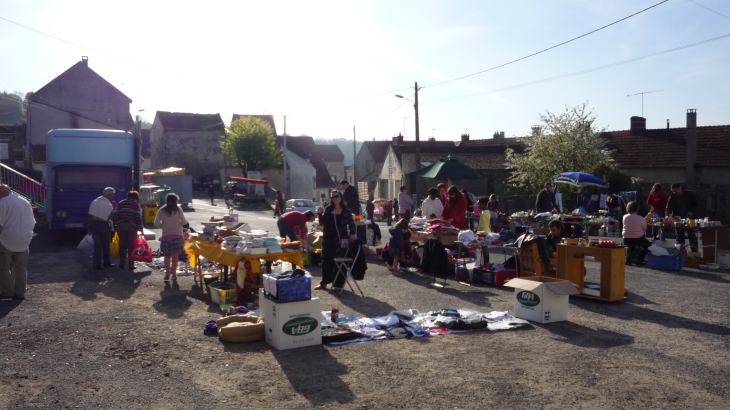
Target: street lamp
[418,136]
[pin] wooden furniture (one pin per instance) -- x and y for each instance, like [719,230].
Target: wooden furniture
[714,239]
[531,264]
[444,238]
[571,260]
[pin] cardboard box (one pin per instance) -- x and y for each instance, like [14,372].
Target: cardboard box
[693,263]
[291,325]
[542,299]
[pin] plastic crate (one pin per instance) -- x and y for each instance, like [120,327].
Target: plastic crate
[223,296]
[671,262]
[290,290]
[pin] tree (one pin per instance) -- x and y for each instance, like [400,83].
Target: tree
[249,142]
[565,142]
[12,111]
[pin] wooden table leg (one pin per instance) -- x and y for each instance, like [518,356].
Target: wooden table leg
[613,271]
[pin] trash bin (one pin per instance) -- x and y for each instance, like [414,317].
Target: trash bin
[163,194]
[149,212]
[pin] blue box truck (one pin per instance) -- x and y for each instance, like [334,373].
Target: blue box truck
[80,163]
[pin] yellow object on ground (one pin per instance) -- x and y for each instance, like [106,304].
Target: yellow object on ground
[114,247]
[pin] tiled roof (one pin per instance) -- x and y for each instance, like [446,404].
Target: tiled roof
[266,117]
[490,149]
[181,121]
[666,148]
[305,148]
[481,162]
[78,73]
[378,149]
[330,153]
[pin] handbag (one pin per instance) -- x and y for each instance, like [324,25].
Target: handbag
[141,251]
[114,246]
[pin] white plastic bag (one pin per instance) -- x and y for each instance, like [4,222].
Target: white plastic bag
[658,250]
[466,236]
[86,244]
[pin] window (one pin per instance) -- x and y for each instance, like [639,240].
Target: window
[350,179]
[367,166]
[84,178]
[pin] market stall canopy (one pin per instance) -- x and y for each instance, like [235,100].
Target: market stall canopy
[579,179]
[450,169]
[249,180]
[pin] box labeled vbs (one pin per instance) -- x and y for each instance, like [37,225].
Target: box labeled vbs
[541,299]
[291,325]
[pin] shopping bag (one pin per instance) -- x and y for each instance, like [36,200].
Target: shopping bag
[114,247]
[86,244]
[141,251]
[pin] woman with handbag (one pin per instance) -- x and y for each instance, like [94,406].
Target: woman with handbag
[336,221]
[172,220]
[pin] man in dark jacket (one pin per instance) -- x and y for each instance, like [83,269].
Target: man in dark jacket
[352,199]
[556,235]
[546,200]
[683,204]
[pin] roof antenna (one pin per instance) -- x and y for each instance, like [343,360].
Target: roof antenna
[642,98]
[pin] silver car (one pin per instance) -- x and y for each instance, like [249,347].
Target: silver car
[301,205]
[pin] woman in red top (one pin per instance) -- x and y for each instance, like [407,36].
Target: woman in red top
[657,200]
[455,208]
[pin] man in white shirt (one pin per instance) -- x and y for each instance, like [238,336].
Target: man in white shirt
[16,232]
[432,206]
[99,211]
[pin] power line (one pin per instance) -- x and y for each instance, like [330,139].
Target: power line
[547,49]
[589,70]
[707,8]
[73,44]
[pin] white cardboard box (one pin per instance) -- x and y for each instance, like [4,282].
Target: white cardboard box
[291,325]
[542,299]
[723,259]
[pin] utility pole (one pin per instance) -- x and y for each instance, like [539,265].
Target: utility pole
[642,98]
[354,161]
[283,189]
[418,144]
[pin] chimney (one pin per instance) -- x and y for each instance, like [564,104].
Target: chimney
[501,134]
[638,123]
[498,135]
[85,60]
[464,137]
[398,139]
[691,140]
[667,123]
[536,130]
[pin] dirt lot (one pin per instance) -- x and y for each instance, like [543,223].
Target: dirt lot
[127,340]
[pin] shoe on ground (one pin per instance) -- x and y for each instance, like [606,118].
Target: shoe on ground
[6,297]
[320,287]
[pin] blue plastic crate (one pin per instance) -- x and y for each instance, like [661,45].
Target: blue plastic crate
[293,289]
[671,262]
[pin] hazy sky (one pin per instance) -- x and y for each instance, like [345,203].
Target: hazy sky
[332,65]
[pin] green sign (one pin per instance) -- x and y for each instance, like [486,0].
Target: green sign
[528,299]
[300,326]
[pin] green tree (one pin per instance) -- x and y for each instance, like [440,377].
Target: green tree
[250,143]
[12,111]
[565,142]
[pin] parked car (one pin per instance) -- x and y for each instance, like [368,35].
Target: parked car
[301,205]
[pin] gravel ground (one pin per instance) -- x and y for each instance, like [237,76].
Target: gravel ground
[124,340]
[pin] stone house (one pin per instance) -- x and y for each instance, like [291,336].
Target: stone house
[307,174]
[695,156]
[77,98]
[187,140]
[369,163]
[350,174]
[485,155]
[334,160]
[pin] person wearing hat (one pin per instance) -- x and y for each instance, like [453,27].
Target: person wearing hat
[99,212]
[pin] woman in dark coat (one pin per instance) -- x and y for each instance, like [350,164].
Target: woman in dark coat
[336,221]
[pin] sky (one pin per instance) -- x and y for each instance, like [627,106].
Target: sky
[331,66]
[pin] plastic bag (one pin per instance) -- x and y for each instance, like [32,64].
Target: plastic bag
[466,236]
[114,247]
[141,251]
[86,244]
[658,250]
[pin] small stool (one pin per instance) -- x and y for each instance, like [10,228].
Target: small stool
[344,267]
